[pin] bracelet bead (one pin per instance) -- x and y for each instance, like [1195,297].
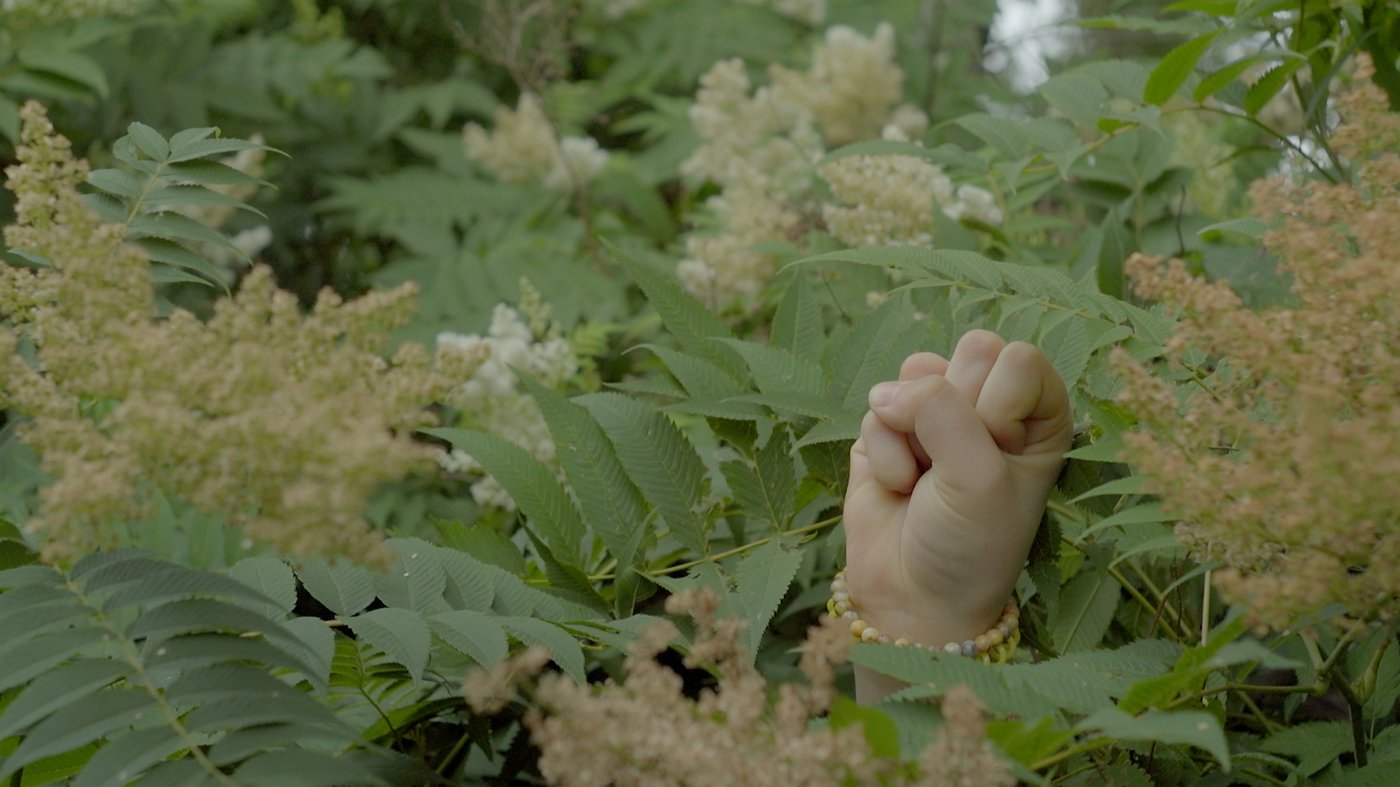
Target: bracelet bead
[995,645]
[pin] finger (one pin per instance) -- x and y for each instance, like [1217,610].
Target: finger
[916,366]
[922,365]
[972,361]
[964,455]
[891,460]
[1023,401]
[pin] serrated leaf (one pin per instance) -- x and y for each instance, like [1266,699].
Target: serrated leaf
[212,173]
[1171,72]
[468,586]
[197,615]
[532,485]
[775,370]
[659,459]
[344,588]
[168,582]
[797,326]
[609,503]
[767,487]
[237,712]
[203,148]
[197,650]
[270,577]
[196,195]
[117,182]
[1191,728]
[20,663]
[75,725]
[148,141]
[299,767]
[473,634]
[843,427]
[685,318]
[564,649]
[416,579]
[401,634]
[57,689]
[763,578]
[1269,85]
[124,760]
[220,681]
[1077,96]
[1087,604]
[874,350]
[174,226]
[1006,136]
[935,674]
[1313,744]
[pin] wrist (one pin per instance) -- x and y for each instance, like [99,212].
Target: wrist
[970,627]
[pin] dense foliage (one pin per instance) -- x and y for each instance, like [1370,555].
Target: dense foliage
[461,391]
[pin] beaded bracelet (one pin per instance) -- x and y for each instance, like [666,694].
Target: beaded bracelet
[994,647]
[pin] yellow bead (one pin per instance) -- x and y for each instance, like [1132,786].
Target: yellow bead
[996,637]
[902,642]
[870,634]
[858,627]
[982,643]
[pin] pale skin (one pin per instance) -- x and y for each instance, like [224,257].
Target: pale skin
[948,482]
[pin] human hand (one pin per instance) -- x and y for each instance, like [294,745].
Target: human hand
[948,483]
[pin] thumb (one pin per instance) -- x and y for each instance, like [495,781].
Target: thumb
[964,457]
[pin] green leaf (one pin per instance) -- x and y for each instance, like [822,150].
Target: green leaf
[300,768]
[473,634]
[401,634]
[659,460]
[1171,73]
[874,350]
[1313,744]
[685,318]
[148,141]
[344,588]
[67,64]
[763,578]
[1248,226]
[174,226]
[416,579]
[1005,135]
[270,577]
[117,182]
[76,725]
[123,760]
[196,195]
[1192,728]
[1269,85]
[196,615]
[20,663]
[1077,96]
[880,733]
[467,586]
[1144,513]
[1087,604]
[56,689]
[203,148]
[610,504]
[766,488]
[563,648]
[797,326]
[778,371]
[532,485]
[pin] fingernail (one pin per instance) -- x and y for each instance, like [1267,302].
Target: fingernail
[882,394]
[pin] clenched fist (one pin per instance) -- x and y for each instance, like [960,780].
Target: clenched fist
[948,483]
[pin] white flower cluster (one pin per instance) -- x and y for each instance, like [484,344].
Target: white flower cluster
[760,144]
[851,86]
[974,203]
[883,200]
[489,397]
[524,149]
